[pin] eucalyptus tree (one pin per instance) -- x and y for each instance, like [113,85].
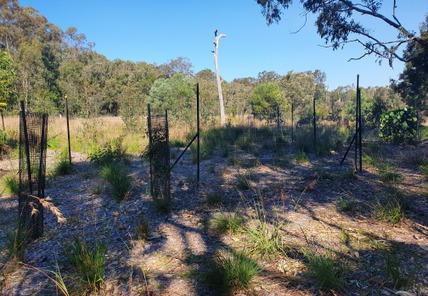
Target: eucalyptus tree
[7,78]
[179,65]
[175,94]
[412,83]
[268,76]
[208,96]
[239,92]
[266,100]
[339,22]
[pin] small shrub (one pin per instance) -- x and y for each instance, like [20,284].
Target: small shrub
[323,271]
[231,272]
[88,261]
[117,175]
[398,126]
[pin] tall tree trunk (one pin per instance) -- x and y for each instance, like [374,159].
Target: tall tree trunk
[220,92]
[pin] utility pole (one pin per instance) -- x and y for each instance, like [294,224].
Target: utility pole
[220,93]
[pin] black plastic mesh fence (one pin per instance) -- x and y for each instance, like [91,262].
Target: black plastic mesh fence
[32,172]
[159,158]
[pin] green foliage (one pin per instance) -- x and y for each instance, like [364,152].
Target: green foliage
[118,176]
[8,141]
[226,223]
[324,271]
[413,81]
[301,157]
[388,173]
[15,243]
[391,211]
[266,100]
[63,166]
[345,205]
[243,181]
[88,261]
[399,126]
[7,78]
[265,239]
[424,169]
[11,185]
[175,94]
[110,152]
[215,198]
[230,273]
[329,139]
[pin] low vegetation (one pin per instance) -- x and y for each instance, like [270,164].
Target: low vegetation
[269,215]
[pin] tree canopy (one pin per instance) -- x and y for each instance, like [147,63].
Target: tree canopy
[413,82]
[338,24]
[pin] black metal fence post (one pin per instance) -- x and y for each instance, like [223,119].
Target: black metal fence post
[315,125]
[198,133]
[68,129]
[149,127]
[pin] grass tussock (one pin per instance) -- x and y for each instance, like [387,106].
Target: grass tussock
[88,262]
[226,223]
[118,176]
[324,270]
[231,272]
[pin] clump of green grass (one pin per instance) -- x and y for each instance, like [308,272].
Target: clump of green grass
[390,211]
[243,181]
[344,237]
[424,169]
[63,166]
[301,157]
[111,151]
[142,230]
[345,205]
[324,271]
[234,160]
[14,244]
[215,198]
[231,272]
[54,142]
[395,271]
[226,223]
[265,239]
[11,185]
[388,173]
[118,177]
[88,261]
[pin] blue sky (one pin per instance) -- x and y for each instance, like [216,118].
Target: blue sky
[159,31]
